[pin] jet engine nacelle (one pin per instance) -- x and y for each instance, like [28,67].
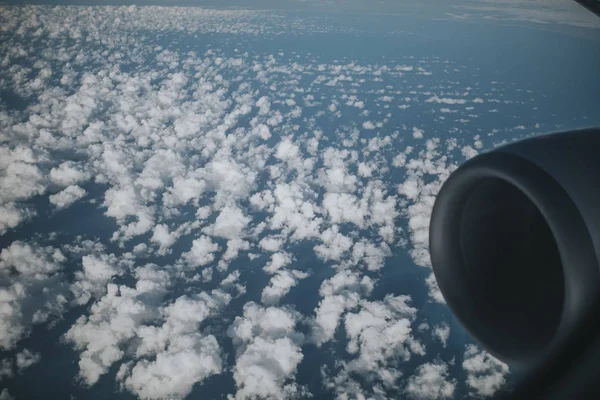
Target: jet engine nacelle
[514,244]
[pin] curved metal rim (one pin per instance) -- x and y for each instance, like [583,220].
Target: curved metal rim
[564,219]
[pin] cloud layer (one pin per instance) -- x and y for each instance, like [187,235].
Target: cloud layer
[239,209]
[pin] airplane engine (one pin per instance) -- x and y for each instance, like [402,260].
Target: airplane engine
[514,244]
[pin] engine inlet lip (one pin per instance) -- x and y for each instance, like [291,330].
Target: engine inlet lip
[568,228]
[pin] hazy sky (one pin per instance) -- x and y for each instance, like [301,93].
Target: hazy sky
[538,12]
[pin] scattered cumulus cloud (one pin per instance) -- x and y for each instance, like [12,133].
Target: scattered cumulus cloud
[211,186]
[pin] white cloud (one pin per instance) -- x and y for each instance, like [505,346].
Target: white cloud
[334,245]
[173,373]
[280,284]
[364,170]
[434,290]
[268,353]
[292,213]
[97,271]
[271,244]
[184,356]
[468,152]
[26,359]
[68,173]
[183,190]
[6,368]
[262,131]
[399,160]
[201,252]
[418,133]
[163,237]
[278,261]
[431,382]
[344,207]
[371,255]
[381,338]
[33,291]
[11,216]
[425,174]
[442,333]
[230,224]
[20,181]
[381,330]
[445,100]
[169,357]
[340,293]
[485,374]
[369,125]
[67,196]
[113,321]
[289,153]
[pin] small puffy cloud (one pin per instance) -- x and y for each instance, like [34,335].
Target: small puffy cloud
[364,170]
[122,202]
[445,100]
[6,369]
[289,152]
[11,216]
[278,261]
[426,172]
[399,160]
[271,244]
[201,252]
[280,284]
[113,321]
[234,246]
[230,180]
[380,337]
[418,133]
[20,181]
[173,373]
[67,174]
[268,353]
[163,237]
[184,356]
[230,224]
[344,207]
[26,359]
[368,125]
[431,382]
[367,253]
[67,196]
[380,331]
[468,152]
[168,353]
[33,289]
[262,131]
[485,374]
[183,190]
[340,293]
[434,290]
[334,244]
[292,213]
[97,270]
[442,333]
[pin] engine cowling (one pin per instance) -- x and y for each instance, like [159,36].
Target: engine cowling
[514,244]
